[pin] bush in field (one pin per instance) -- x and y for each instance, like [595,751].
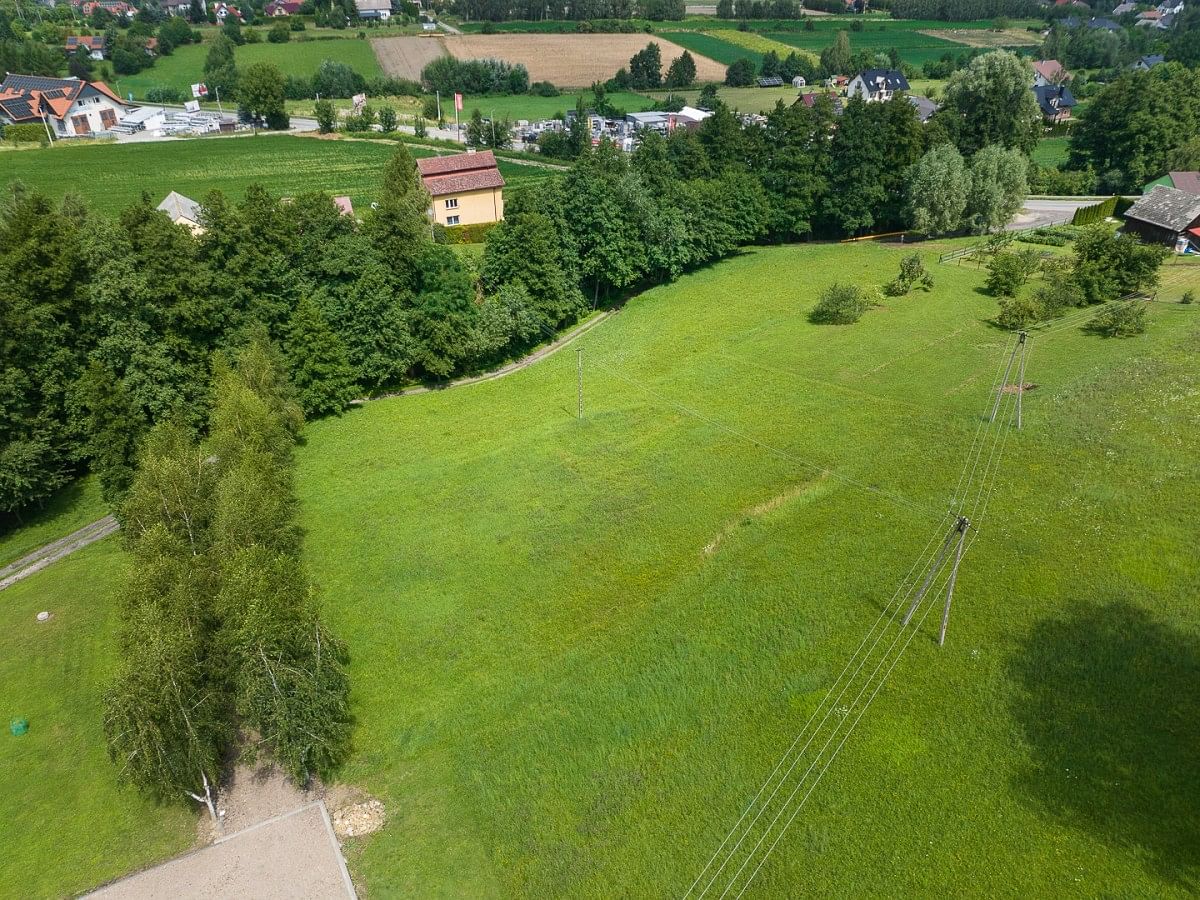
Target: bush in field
[912,272]
[840,304]
[1120,320]
[1007,271]
[1019,312]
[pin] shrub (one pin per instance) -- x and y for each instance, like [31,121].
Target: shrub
[1188,297]
[1019,312]
[25,134]
[279,33]
[387,119]
[1097,212]
[544,89]
[164,95]
[1120,320]
[1008,271]
[912,271]
[840,304]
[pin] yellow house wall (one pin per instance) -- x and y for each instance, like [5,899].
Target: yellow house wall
[474,207]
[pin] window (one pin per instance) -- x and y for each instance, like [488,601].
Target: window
[452,220]
[452,203]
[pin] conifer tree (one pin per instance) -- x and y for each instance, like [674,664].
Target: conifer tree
[320,370]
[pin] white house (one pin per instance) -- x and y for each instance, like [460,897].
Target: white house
[877,85]
[66,107]
[182,211]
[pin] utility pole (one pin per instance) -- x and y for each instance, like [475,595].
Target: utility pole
[962,527]
[957,536]
[1021,377]
[579,382]
[1019,345]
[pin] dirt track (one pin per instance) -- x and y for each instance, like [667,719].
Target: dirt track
[405,57]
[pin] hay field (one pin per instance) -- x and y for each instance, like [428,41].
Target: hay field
[572,60]
[976,37]
[405,57]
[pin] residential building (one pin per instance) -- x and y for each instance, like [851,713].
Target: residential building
[1146,63]
[1101,24]
[1167,216]
[93,45]
[877,85]
[1125,8]
[810,100]
[1056,102]
[282,8]
[67,107]
[466,188]
[181,7]
[380,10]
[1188,182]
[182,211]
[223,11]
[116,8]
[1049,71]
[924,106]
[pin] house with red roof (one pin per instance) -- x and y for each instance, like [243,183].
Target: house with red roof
[282,8]
[67,107]
[466,188]
[92,45]
[1049,71]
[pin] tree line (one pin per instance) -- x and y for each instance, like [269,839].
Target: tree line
[221,639]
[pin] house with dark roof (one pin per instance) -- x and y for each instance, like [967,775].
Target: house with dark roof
[1146,63]
[93,45]
[1167,216]
[1100,24]
[1056,102]
[877,85]
[380,10]
[67,107]
[924,106]
[466,188]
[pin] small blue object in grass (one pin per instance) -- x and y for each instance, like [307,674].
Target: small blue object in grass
[18,727]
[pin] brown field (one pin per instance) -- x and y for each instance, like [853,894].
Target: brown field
[979,37]
[405,57]
[569,60]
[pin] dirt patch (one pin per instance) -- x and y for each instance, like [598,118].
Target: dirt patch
[762,509]
[570,60]
[981,37]
[358,819]
[1012,388]
[405,57]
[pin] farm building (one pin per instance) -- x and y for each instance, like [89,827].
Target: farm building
[877,85]
[1189,182]
[1167,216]
[182,211]
[67,107]
[380,10]
[467,188]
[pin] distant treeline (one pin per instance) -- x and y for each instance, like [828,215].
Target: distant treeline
[966,10]
[574,10]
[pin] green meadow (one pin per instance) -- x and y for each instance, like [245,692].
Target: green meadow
[111,176]
[579,646]
[185,66]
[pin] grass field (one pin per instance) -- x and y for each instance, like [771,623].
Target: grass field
[76,505]
[65,825]
[914,48]
[185,66]
[111,176]
[746,100]
[1051,151]
[722,51]
[578,647]
[559,692]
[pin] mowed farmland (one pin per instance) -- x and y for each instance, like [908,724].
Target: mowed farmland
[567,60]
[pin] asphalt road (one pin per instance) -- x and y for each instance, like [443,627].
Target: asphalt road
[1039,213]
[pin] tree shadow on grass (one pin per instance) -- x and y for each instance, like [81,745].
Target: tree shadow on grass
[1110,709]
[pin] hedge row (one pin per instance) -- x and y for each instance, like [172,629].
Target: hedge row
[1097,212]
[25,134]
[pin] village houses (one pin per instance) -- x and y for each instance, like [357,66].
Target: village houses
[66,107]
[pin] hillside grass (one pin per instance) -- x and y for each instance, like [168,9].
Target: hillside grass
[559,692]
[578,647]
[65,823]
[185,66]
[112,176]
[75,505]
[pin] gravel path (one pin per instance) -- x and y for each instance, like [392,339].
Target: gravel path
[37,560]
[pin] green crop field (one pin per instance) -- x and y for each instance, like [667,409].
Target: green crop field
[185,66]
[65,824]
[914,48]
[748,99]
[111,176]
[578,647]
[724,52]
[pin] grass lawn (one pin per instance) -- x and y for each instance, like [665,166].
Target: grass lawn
[65,824]
[185,66]
[578,647]
[1050,151]
[111,176]
[76,505]
[747,99]
[524,106]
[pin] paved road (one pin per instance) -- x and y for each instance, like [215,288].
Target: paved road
[1039,213]
[37,560]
